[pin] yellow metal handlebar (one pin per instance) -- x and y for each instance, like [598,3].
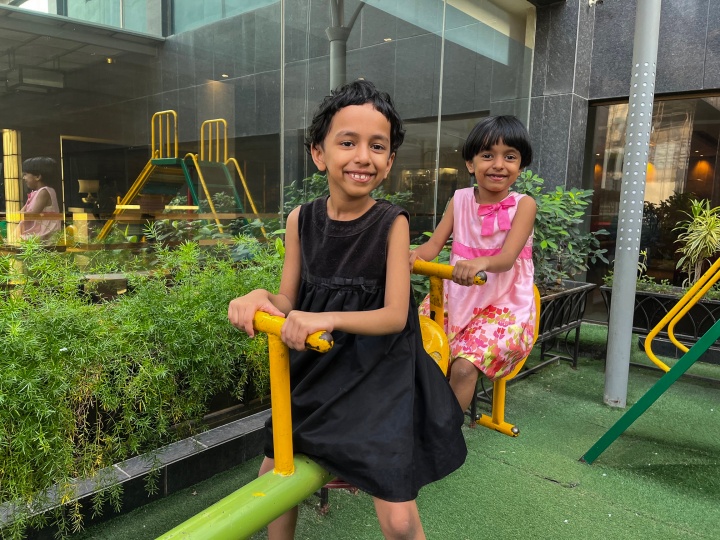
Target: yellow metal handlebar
[280,385]
[443,271]
[321,341]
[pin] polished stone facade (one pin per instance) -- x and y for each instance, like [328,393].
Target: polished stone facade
[583,54]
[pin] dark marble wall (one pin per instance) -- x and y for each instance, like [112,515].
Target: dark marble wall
[688,48]
[560,91]
[584,53]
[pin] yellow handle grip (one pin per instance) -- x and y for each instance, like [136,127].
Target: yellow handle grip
[321,341]
[444,271]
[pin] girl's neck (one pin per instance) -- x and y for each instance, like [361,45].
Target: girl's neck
[347,210]
[490,197]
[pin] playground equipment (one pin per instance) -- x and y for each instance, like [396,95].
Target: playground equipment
[434,338]
[691,355]
[294,478]
[166,174]
[496,419]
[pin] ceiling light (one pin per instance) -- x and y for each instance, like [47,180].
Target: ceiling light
[35,79]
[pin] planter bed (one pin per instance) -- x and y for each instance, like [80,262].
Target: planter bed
[180,465]
[561,313]
[651,307]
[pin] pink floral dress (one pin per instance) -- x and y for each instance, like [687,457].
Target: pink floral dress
[491,325]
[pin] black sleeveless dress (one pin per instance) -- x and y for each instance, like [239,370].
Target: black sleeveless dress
[375,411]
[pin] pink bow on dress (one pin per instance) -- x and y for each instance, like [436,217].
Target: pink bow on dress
[488,212]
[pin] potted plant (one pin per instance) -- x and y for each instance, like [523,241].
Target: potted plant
[562,249]
[699,244]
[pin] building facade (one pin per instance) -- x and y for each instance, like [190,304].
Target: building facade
[84,79]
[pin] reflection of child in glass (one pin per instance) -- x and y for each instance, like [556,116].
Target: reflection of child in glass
[376,410]
[490,327]
[37,173]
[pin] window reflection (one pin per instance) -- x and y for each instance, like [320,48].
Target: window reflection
[224,61]
[682,165]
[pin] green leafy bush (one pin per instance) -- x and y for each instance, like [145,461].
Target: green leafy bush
[85,385]
[561,247]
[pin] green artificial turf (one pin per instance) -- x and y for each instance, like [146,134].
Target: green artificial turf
[659,480]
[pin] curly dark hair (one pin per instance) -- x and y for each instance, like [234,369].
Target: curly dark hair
[357,92]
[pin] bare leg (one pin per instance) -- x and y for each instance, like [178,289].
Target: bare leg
[463,378]
[399,521]
[283,528]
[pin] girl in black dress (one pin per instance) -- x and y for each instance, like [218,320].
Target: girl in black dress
[376,410]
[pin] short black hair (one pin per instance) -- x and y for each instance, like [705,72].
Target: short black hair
[357,92]
[491,130]
[40,166]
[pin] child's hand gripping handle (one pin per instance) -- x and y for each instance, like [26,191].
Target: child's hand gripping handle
[319,341]
[443,271]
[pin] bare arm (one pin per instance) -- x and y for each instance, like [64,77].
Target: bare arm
[389,319]
[521,230]
[242,309]
[430,249]
[38,202]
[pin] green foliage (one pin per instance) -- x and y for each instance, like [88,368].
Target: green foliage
[699,239]
[561,247]
[668,213]
[644,282]
[421,284]
[173,231]
[85,385]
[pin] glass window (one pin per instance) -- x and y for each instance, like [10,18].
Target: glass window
[446,65]
[399,46]
[682,164]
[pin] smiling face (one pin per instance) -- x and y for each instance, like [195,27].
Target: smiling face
[355,152]
[495,170]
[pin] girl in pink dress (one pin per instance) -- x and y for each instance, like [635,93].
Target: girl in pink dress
[490,328]
[41,203]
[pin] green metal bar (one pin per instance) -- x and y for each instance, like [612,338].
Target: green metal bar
[652,395]
[189,182]
[249,509]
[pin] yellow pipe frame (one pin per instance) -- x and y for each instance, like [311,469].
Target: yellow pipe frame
[280,403]
[157,144]
[220,139]
[194,159]
[129,196]
[280,386]
[247,190]
[679,310]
